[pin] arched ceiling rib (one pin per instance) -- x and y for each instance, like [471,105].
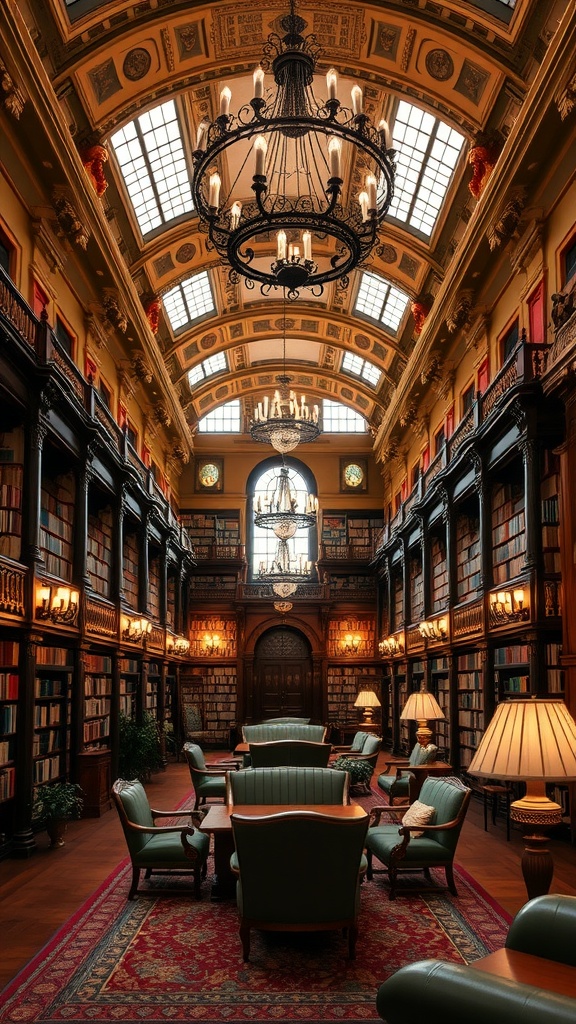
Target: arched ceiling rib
[463,64]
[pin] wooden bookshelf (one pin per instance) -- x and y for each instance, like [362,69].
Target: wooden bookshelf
[129,682]
[99,550]
[511,671]
[440,687]
[438,574]
[57,502]
[154,575]
[130,561]
[470,705]
[213,534]
[508,531]
[353,536]
[468,557]
[219,701]
[549,489]
[397,601]
[171,601]
[9,685]
[97,701]
[11,478]
[52,707]
[337,630]
[416,589]
[554,671]
[334,534]
[151,697]
[343,683]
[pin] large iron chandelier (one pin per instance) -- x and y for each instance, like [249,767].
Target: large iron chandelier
[284,421]
[279,509]
[290,151]
[286,571]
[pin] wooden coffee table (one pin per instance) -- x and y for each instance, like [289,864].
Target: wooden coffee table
[217,823]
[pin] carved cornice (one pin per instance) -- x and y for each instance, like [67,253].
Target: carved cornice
[114,313]
[566,98]
[507,219]
[460,312]
[11,97]
[71,225]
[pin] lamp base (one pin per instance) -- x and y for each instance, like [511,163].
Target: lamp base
[423,733]
[540,813]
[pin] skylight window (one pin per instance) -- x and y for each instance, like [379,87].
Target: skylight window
[226,419]
[207,368]
[339,419]
[189,301]
[427,151]
[381,301]
[353,364]
[150,152]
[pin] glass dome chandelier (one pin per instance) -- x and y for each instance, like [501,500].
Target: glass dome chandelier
[289,151]
[285,572]
[278,510]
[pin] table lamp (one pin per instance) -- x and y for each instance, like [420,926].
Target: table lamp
[533,740]
[367,699]
[422,707]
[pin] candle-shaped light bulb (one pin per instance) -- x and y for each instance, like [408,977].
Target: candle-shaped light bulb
[334,150]
[214,194]
[307,243]
[332,83]
[293,251]
[363,200]
[235,212]
[202,135]
[260,148]
[258,79]
[385,135]
[371,188]
[225,97]
[356,94]
[281,243]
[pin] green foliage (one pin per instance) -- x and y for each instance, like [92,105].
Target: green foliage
[58,800]
[139,747]
[360,771]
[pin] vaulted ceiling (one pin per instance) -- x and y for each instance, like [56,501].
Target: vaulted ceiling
[464,67]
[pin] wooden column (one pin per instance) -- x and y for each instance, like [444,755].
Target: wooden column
[532,508]
[23,842]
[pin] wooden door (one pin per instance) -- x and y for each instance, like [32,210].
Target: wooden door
[282,675]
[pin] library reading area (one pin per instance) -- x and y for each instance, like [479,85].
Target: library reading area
[288,510]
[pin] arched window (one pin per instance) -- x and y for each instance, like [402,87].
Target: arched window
[261,543]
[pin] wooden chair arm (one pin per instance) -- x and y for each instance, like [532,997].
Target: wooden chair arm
[377,812]
[155,829]
[429,828]
[232,762]
[184,812]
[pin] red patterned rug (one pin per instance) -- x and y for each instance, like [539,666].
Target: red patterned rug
[170,958]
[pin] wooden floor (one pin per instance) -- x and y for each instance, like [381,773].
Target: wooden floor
[40,893]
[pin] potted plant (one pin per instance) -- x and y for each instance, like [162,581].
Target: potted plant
[360,771]
[54,804]
[140,752]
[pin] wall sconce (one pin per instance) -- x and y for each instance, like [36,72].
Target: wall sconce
[508,606]
[434,629]
[135,630]
[181,645]
[62,607]
[212,643]
[390,646]
[351,643]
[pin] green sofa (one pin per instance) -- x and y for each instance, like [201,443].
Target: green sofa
[298,786]
[441,993]
[267,732]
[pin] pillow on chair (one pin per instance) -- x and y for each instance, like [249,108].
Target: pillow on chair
[418,814]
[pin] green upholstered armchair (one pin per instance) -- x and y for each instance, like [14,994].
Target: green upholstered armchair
[396,845]
[355,747]
[298,871]
[297,753]
[286,719]
[209,780]
[369,755]
[158,848]
[396,783]
[288,786]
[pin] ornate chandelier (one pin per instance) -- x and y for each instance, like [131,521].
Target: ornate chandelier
[283,421]
[278,510]
[290,150]
[285,572]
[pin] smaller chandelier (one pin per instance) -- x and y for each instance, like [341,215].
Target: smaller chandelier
[278,510]
[285,572]
[284,422]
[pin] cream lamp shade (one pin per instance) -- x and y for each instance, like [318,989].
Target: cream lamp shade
[533,740]
[367,699]
[422,707]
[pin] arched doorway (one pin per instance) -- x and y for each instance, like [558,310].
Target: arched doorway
[283,676]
